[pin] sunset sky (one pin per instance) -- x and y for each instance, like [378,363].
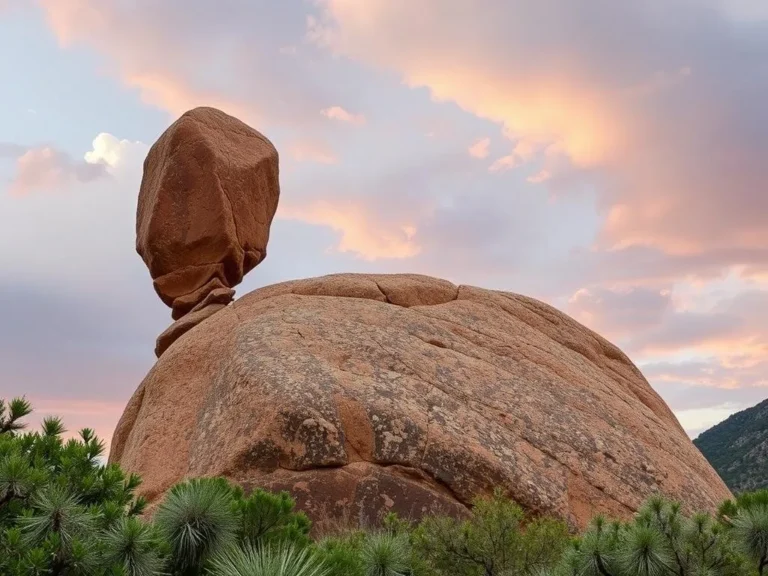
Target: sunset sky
[607,156]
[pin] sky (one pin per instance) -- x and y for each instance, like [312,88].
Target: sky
[610,158]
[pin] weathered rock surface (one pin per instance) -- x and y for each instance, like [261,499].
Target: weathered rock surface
[362,394]
[208,195]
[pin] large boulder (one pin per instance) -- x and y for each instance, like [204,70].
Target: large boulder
[208,195]
[362,394]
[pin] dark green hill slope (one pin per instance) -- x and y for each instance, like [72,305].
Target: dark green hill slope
[738,448]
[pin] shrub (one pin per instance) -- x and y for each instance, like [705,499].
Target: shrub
[58,501]
[495,541]
[659,541]
[280,560]
[342,554]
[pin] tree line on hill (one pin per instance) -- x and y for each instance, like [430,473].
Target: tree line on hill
[738,448]
[63,512]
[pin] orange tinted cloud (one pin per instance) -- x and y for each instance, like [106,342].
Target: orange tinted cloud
[361,233]
[479,149]
[584,126]
[539,177]
[651,322]
[645,113]
[179,55]
[544,107]
[338,113]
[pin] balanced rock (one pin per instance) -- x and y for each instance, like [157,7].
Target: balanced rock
[362,394]
[208,195]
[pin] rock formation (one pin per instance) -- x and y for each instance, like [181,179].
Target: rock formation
[208,195]
[362,394]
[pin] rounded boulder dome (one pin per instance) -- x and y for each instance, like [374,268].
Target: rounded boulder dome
[362,394]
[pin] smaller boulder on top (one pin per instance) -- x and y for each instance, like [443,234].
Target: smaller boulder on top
[208,196]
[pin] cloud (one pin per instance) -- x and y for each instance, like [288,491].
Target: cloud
[734,329]
[523,152]
[45,168]
[118,155]
[379,216]
[710,336]
[710,372]
[645,110]
[480,148]
[478,73]
[618,312]
[360,233]
[539,177]
[338,113]
[184,53]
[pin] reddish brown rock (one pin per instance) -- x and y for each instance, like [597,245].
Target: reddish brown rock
[208,195]
[184,325]
[362,394]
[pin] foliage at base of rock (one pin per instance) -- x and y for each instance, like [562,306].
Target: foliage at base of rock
[494,541]
[64,513]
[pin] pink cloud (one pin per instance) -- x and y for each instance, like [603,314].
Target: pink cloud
[179,55]
[645,115]
[473,73]
[652,322]
[503,164]
[338,113]
[710,372]
[361,233]
[539,177]
[480,148]
[616,313]
[45,168]
[523,152]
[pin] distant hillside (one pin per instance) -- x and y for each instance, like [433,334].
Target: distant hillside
[738,448]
